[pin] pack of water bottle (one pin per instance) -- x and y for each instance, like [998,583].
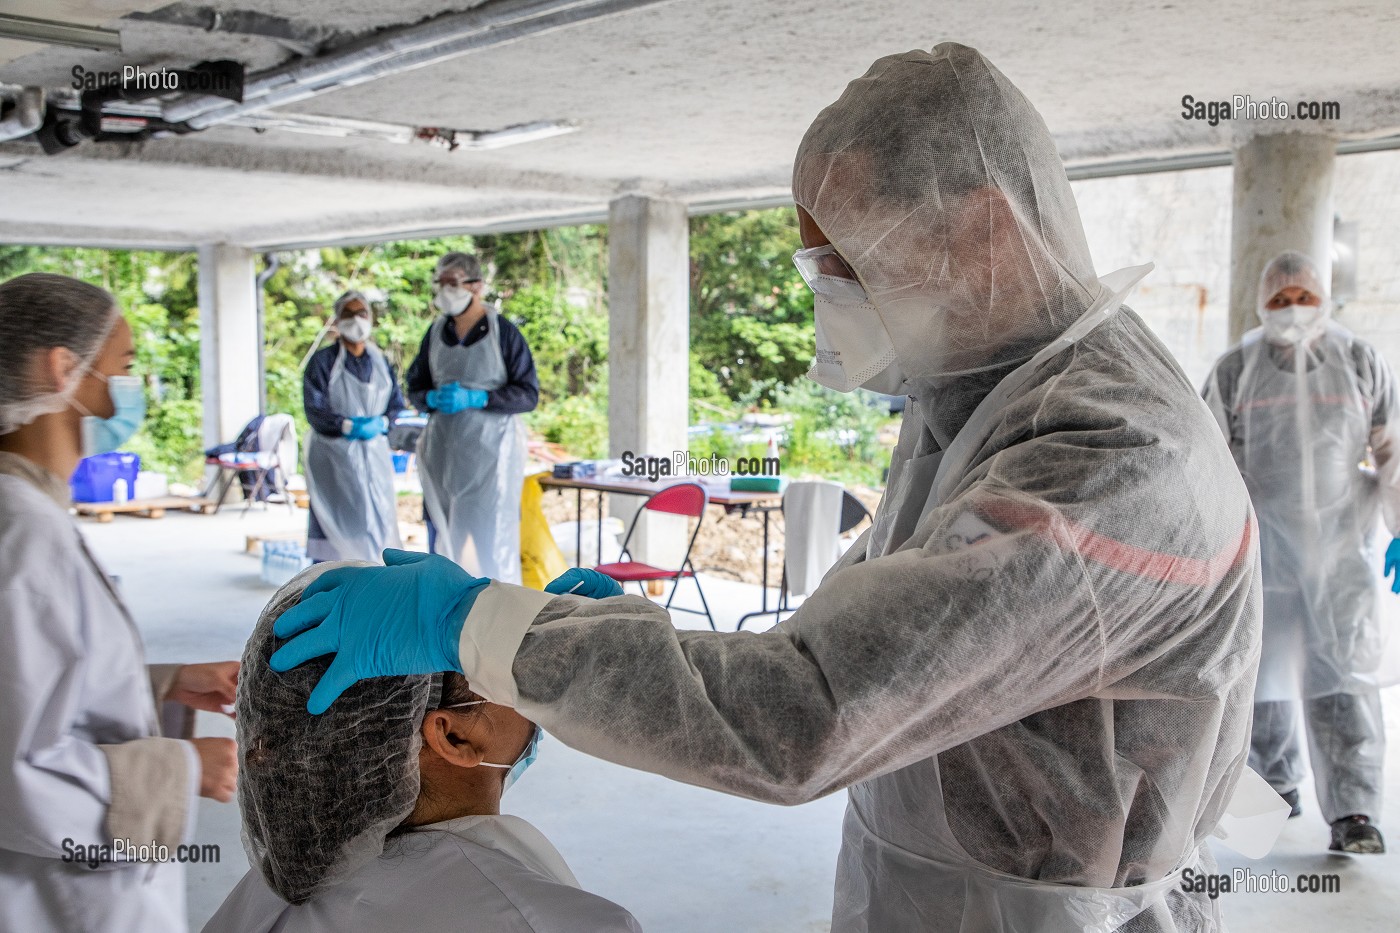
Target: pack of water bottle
[282,560]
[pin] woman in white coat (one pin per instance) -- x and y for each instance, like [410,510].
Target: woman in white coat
[82,759]
[398,825]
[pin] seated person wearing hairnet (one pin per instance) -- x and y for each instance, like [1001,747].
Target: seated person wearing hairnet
[1304,404]
[1034,672]
[84,760]
[395,822]
[351,396]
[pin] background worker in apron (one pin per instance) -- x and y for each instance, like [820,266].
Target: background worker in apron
[351,394]
[1305,403]
[474,376]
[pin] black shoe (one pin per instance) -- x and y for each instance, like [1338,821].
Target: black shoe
[1357,835]
[1293,801]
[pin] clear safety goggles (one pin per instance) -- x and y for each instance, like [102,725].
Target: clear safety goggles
[828,275]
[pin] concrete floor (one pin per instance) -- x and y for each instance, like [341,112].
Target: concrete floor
[680,858]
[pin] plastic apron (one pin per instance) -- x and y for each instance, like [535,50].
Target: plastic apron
[897,866]
[351,483]
[472,463]
[1305,425]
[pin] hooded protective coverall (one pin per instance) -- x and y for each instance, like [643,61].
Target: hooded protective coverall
[1310,413]
[1034,673]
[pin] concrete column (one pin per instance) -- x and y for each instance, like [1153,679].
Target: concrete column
[229,340]
[649,352]
[1283,200]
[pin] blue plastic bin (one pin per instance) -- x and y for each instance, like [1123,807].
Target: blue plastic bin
[95,476]
[400,461]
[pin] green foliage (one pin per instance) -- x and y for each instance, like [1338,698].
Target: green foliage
[834,435]
[750,311]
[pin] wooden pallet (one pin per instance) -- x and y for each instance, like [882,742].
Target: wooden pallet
[145,508]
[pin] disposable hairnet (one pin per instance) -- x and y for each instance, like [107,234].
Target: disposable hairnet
[38,312]
[1291,268]
[348,297]
[320,794]
[469,265]
[899,174]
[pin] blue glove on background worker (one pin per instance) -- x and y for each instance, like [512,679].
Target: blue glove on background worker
[368,427]
[1392,564]
[452,398]
[580,581]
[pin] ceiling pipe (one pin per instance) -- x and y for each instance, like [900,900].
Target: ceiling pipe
[397,51]
[28,114]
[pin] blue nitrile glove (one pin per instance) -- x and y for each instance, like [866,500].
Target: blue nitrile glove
[1392,563]
[448,399]
[476,398]
[366,428]
[376,426]
[403,618]
[580,581]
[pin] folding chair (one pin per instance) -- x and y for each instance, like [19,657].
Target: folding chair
[688,499]
[277,453]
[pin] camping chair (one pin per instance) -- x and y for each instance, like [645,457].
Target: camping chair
[277,453]
[853,512]
[688,499]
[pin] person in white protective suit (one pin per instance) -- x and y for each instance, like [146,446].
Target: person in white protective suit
[398,824]
[1310,411]
[92,748]
[351,397]
[1034,673]
[475,377]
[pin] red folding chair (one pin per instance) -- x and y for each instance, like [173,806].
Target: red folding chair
[689,499]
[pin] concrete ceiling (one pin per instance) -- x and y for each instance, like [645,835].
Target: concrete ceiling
[702,100]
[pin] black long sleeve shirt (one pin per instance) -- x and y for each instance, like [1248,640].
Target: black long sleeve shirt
[520,392]
[315,389]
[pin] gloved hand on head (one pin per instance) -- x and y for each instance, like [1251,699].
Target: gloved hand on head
[581,581]
[400,619]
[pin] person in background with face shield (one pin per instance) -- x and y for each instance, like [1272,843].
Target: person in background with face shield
[351,395]
[399,826]
[1034,673]
[474,376]
[1310,411]
[82,758]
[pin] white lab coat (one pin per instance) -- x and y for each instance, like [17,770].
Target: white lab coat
[485,874]
[73,679]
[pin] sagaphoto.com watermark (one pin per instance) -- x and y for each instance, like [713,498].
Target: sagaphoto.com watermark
[1245,107]
[1248,881]
[684,463]
[125,851]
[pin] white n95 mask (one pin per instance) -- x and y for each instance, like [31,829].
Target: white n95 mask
[453,301]
[1294,323]
[355,329]
[853,348]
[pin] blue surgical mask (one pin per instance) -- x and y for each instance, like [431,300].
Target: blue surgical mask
[527,755]
[104,435]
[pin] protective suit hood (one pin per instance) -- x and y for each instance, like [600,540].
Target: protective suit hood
[940,185]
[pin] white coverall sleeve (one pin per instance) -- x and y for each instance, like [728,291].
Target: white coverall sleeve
[1385,439]
[56,784]
[889,662]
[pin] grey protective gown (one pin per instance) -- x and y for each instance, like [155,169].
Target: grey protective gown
[1034,673]
[472,463]
[352,482]
[1313,427]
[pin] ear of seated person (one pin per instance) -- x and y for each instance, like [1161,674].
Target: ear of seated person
[385,812]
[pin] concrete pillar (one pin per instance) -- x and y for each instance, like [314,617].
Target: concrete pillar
[230,340]
[649,352]
[1283,200]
